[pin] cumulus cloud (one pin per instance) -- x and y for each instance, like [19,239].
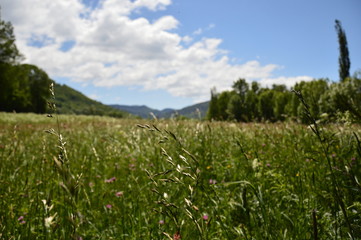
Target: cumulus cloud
[288,81]
[110,48]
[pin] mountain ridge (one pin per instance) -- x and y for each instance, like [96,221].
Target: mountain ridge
[70,101]
[144,111]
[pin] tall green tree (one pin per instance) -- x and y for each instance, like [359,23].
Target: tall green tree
[10,92]
[9,53]
[213,111]
[343,59]
[280,100]
[266,105]
[235,108]
[38,84]
[312,93]
[223,100]
[344,97]
[241,87]
[24,88]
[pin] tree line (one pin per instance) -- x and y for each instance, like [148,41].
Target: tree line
[250,102]
[326,100]
[23,87]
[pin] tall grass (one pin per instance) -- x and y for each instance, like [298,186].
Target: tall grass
[165,179]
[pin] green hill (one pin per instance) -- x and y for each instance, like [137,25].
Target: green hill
[70,101]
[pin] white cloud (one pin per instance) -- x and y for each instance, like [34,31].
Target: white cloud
[153,4]
[288,81]
[112,49]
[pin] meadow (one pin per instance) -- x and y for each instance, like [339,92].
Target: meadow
[86,177]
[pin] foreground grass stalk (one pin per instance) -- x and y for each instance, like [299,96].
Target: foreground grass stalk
[185,173]
[324,141]
[69,183]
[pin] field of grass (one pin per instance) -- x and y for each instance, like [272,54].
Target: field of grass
[103,178]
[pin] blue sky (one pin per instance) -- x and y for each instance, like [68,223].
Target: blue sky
[169,53]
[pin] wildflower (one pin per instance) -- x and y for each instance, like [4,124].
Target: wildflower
[109,206]
[209,167]
[268,165]
[333,155]
[119,194]
[212,181]
[255,164]
[110,180]
[132,167]
[49,221]
[161,222]
[205,217]
[177,236]
[20,218]
[91,184]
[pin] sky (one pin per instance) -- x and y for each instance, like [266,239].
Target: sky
[170,53]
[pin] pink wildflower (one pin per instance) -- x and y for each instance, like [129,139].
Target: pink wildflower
[212,181]
[205,217]
[119,194]
[109,206]
[110,180]
[177,236]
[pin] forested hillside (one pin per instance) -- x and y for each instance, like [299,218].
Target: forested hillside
[25,87]
[70,101]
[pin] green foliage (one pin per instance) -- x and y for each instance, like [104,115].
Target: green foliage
[24,88]
[213,110]
[266,104]
[235,108]
[343,60]
[312,92]
[70,101]
[343,98]
[9,53]
[227,180]
[223,100]
[327,101]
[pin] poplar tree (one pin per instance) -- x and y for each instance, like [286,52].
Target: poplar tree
[343,59]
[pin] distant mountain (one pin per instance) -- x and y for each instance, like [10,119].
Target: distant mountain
[70,101]
[194,111]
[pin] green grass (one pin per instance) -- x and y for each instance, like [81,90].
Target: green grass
[137,179]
